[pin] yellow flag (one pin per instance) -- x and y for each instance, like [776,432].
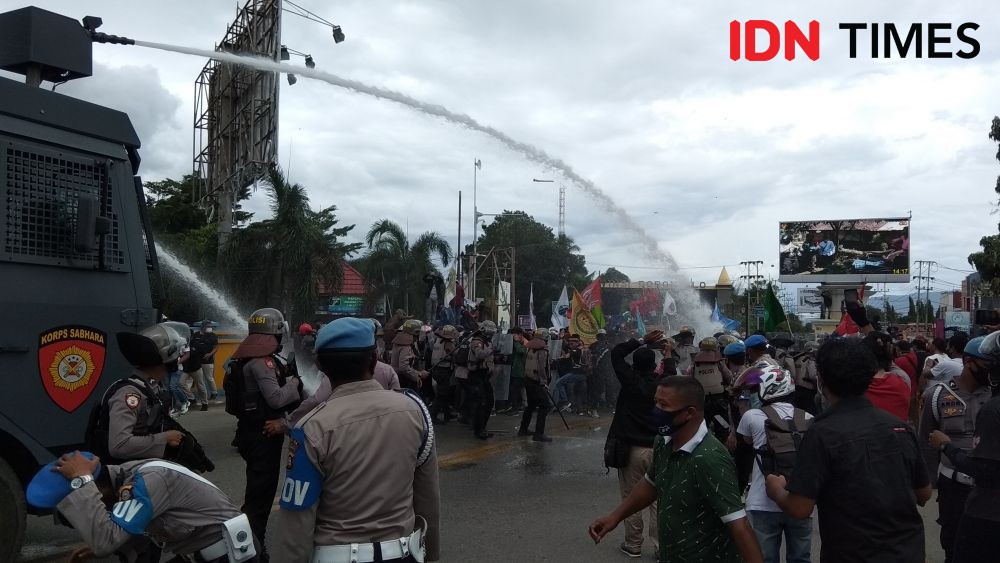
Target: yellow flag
[582,322]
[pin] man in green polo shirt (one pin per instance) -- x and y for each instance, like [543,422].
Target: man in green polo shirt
[693,480]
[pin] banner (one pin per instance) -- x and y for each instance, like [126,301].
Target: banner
[560,310]
[810,300]
[582,322]
[503,306]
[592,297]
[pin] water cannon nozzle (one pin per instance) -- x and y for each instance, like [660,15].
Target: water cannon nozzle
[98,37]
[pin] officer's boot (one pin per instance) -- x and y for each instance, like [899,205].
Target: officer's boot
[523,430]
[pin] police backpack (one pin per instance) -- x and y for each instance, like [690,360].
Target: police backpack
[462,352]
[234,386]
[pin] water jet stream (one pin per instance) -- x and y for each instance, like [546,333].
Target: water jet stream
[695,310]
[232,317]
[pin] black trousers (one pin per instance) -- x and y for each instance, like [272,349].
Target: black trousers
[263,458]
[951,505]
[977,540]
[514,394]
[444,394]
[481,400]
[717,405]
[595,389]
[538,399]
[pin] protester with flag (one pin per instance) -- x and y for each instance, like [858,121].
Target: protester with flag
[582,321]
[559,319]
[531,306]
[592,298]
[774,315]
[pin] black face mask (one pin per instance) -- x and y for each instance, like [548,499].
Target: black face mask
[666,421]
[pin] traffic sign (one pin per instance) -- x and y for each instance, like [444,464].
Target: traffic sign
[758,310]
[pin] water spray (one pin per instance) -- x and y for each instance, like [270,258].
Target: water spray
[684,295]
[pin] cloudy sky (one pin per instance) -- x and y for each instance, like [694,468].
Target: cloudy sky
[640,97]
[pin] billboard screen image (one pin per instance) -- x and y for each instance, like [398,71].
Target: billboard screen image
[853,250]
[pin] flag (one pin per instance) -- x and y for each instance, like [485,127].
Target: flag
[727,323]
[847,324]
[582,322]
[640,327]
[774,315]
[459,298]
[669,305]
[449,291]
[592,297]
[559,319]
[531,306]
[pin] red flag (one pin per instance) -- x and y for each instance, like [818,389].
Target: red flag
[459,298]
[847,324]
[592,294]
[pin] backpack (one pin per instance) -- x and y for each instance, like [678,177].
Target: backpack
[462,352]
[784,437]
[535,363]
[234,386]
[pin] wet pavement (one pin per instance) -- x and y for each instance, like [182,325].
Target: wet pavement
[505,499]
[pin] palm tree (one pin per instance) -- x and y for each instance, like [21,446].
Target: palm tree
[288,255]
[396,268]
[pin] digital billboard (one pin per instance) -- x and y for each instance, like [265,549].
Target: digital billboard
[852,250]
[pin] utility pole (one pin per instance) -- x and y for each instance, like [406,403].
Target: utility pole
[924,283]
[476,166]
[751,278]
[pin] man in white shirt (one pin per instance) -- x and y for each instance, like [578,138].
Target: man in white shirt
[947,368]
[769,523]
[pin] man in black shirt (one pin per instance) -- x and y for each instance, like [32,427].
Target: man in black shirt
[860,466]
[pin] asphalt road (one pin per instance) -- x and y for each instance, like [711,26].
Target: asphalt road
[508,499]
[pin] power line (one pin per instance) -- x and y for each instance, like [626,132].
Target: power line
[660,267]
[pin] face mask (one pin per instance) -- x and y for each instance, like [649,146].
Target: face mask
[209,330]
[666,421]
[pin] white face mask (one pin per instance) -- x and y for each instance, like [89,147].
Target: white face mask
[209,330]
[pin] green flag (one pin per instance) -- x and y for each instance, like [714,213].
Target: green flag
[774,315]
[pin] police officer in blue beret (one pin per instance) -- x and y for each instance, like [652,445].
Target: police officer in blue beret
[361,471]
[124,509]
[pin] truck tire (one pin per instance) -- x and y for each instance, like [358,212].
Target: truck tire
[12,513]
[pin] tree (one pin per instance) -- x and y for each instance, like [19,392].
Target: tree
[541,258]
[396,268]
[987,261]
[285,257]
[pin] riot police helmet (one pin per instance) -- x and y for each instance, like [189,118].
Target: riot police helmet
[155,345]
[266,321]
[412,327]
[488,328]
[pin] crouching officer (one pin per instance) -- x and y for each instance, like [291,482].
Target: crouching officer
[131,421]
[259,391]
[361,471]
[124,508]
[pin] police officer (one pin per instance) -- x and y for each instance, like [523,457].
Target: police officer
[362,475]
[265,394]
[117,507]
[132,421]
[953,409]
[480,389]
[708,372]
[536,382]
[404,355]
[757,355]
[442,368]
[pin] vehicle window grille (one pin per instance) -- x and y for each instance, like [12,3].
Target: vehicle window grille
[41,199]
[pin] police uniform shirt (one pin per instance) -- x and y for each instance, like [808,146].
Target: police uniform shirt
[264,374]
[130,415]
[480,355]
[163,500]
[953,411]
[442,349]
[404,358]
[353,474]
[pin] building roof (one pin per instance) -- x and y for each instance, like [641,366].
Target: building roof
[724,278]
[353,283]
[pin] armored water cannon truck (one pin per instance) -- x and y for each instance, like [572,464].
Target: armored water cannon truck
[76,251]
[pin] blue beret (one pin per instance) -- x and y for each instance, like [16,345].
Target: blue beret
[973,349]
[756,340]
[49,487]
[734,349]
[346,334]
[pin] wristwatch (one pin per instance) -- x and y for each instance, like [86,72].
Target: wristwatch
[78,482]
